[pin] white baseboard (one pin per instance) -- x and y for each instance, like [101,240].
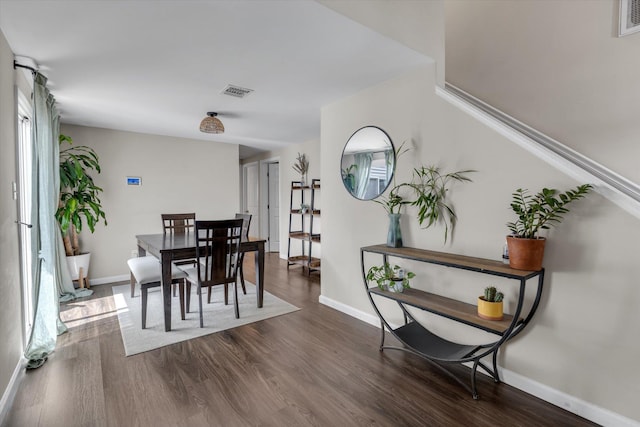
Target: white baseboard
[11,390]
[353,312]
[558,398]
[110,279]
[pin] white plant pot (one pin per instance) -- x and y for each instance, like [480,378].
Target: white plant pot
[75,262]
[396,286]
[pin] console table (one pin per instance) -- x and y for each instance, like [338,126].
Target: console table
[417,339]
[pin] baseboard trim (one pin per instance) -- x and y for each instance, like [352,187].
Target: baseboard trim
[110,279]
[558,398]
[12,388]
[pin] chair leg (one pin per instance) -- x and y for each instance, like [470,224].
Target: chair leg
[244,289]
[209,292]
[188,295]
[133,285]
[143,292]
[226,294]
[181,287]
[200,304]
[235,300]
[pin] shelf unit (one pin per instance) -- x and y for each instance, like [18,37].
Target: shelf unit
[417,339]
[303,226]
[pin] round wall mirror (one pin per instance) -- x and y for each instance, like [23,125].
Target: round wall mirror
[368,162]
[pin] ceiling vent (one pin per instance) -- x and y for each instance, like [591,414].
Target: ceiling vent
[629,17]
[237,91]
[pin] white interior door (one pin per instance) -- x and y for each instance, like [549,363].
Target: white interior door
[251,196]
[274,207]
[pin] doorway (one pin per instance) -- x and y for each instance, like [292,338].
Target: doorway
[273,205]
[251,196]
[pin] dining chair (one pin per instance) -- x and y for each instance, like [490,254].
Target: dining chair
[246,223]
[180,223]
[146,271]
[217,253]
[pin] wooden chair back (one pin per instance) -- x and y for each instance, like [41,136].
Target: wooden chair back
[217,250]
[178,223]
[246,223]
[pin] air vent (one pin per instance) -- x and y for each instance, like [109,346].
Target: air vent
[629,17]
[237,91]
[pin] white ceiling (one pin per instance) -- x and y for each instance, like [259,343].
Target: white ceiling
[157,67]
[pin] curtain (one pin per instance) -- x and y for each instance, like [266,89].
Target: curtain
[48,272]
[389,158]
[363,162]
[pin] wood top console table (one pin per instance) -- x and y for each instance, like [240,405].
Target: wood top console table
[417,339]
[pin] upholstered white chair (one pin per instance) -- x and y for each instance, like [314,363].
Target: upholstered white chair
[147,271]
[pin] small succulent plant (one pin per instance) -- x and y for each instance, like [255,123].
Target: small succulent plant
[491,294]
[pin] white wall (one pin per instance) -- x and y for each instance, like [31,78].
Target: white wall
[556,65]
[178,175]
[10,286]
[582,340]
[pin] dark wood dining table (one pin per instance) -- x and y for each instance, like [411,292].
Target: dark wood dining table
[172,247]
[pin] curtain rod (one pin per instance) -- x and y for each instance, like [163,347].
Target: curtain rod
[16,65]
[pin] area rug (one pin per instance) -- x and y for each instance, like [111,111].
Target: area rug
[217,316]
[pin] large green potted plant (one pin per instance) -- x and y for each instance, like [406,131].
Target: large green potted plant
[79,201]
[536,212]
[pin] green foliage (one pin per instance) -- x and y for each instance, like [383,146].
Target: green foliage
[79,196]
[384,273]
[349,177]
[491,294]
[541,210]
[427,191]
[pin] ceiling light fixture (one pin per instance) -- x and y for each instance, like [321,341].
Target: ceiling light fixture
[211,124]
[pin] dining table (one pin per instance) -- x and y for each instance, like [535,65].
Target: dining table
[168,247]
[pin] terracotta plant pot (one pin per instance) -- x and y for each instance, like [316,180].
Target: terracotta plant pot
[489,310]
[526,254]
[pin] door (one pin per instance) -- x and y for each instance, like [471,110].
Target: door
[251,196]
[274,207]
[22,191]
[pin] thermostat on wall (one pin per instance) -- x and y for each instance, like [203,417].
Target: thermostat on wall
[134,180]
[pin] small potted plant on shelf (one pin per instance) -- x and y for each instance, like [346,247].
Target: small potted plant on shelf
[394,279]
[490,304]
[536,212]
[304,208]
[302,167]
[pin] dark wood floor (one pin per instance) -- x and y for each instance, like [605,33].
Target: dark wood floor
[313,367]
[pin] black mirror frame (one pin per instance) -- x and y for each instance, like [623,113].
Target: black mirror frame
[393,149]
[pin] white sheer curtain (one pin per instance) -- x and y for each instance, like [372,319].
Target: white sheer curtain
[51,277]
[363,168]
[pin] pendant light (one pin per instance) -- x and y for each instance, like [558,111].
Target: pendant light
[211,124]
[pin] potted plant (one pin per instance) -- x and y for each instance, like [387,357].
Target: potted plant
[490,304]
[536,212]
[394,279]
[427,191]
[302,167]
[79,201]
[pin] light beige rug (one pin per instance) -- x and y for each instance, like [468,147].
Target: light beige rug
[217,316]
